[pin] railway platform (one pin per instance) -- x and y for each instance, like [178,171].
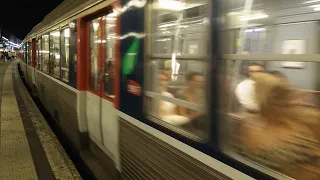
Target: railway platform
[29,149]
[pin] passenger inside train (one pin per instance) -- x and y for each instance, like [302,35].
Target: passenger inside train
[245,92]
[259,66]
[280,139]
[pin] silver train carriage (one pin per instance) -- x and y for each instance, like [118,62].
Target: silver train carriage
[182,89]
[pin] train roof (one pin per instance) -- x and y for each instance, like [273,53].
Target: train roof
[64,11]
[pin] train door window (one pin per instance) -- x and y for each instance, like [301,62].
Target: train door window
[55,54]
[73,54]
[176,75]
[65,54]
[45,53]
[110,41]
[38,54]
[272,103]
[95,39]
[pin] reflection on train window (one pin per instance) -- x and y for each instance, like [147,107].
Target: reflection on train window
[177,67]
[29,48]
[65,54]
[25,55]
[38,58]
[273,103]
[93,64]
[45,53]
[110,41]
[55,54]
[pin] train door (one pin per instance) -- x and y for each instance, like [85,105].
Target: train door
[100,98]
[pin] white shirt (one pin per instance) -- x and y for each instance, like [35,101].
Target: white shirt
[245,93]
[167,107]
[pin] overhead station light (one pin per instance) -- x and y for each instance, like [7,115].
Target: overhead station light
[255,30]
[110,18]
[310,2]
[315,7]
[171,5]
[66,33]
[176,5]
[259,29]
[95,26]
[253,17]
[55,34]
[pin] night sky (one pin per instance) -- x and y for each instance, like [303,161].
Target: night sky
[20,16]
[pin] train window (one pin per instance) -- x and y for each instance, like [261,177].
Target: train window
[110,40]
[55,54]
[176,72]
[25,55]
[29,48]
[45,53]
[271,89]
[65,54]
[38,53]
[95,38]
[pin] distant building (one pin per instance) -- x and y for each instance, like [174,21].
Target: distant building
[8,41]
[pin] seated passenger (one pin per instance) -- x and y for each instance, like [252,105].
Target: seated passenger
[194,93]
[166,108]
[300,96]
[245,92]
[280,140]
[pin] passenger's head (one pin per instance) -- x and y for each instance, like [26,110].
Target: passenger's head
[254,68]
[195,80]
[278,74]
[163,82]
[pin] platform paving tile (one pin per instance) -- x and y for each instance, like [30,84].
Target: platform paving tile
[15,156]
[59,161]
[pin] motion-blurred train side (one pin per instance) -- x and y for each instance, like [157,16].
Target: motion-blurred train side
[146,89]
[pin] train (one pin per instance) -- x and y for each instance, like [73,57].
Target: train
[146,89]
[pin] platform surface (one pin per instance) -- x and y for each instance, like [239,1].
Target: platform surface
[29,150]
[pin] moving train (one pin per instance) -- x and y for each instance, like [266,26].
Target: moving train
[145,89]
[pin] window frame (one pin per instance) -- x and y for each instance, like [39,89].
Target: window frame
[105,57]
[51,55]
[102,54]
[98,55]
[39,55]
[29,53]
[42,37]
[43,54]
[25,53]
[148,117]
[212,146]
[225,115]
[67,69]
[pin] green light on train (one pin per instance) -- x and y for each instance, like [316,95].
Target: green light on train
[131,58]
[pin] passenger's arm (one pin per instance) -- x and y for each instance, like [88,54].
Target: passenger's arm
[183,111]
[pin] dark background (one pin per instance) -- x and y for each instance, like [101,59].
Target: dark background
[20,16]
